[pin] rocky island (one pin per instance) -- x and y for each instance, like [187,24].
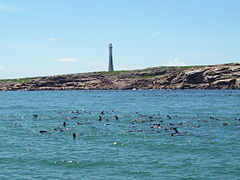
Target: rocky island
[224,76]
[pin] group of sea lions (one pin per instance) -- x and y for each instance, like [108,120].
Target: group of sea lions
[155,122]
[136,122]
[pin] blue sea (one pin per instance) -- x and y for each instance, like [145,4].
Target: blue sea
[122,135]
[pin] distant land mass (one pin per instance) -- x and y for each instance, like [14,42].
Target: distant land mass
[223,76]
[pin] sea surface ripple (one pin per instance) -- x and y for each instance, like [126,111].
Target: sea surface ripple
[142,134]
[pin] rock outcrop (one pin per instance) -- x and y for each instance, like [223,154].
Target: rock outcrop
[225,76]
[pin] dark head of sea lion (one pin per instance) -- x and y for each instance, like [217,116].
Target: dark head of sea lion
[35,116]
[74,135]
[176,130]
[176,133]
[64,124]
[169,117]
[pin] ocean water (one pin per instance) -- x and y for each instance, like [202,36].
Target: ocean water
[135,138]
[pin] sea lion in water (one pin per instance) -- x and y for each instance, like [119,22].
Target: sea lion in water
[35,116]
[74,135]
[177,133]
[42,131]
[169,117]
[213,118]
[176,130]
[59,129]
[64,124]
[225,124]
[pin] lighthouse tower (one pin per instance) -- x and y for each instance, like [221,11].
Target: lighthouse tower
[110,65]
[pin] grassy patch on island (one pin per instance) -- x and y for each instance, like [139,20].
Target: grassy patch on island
[114,73]
[19,80]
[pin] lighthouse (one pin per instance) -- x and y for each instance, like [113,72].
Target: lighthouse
[110,65]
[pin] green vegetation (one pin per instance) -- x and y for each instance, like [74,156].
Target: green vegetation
[192,66]
[114,73]
[177,67]
[20,80]
[147,76]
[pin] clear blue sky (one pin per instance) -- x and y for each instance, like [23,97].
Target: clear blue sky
[48,37]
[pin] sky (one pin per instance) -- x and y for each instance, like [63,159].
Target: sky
[50,37]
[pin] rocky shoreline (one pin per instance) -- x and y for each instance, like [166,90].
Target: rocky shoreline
[224,76]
